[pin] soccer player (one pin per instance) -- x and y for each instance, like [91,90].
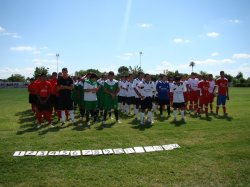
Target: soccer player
[65,102]
[163,89]
[146,88]
[32,95]
[186,94]
[53,97]
[193,91]
[204,95]
[130,94]
[136,81]
[211,91]
[122,94]
[177,90]
[223,95]
[111,90]
[100,93]
[90,98]
[43,101]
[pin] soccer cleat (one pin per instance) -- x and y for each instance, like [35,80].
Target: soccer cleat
[51,126]
[39,126]
[80,124]
[118,121]
[62,124]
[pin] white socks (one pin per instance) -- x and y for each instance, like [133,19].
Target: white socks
[141,117]
[63,116]
[149,116]
[175,113]
[182,114]
[72,116]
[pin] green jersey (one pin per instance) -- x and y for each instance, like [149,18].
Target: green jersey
[109,102]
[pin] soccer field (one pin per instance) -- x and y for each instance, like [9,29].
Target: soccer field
[215,151]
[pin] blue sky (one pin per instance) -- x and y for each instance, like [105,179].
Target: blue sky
[107,34]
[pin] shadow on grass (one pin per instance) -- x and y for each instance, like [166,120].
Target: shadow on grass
[225,117]
[142,127]
[106,125]
[178,123]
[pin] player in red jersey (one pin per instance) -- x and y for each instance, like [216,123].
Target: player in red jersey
[211,91]
[203,85]
[223,95]
[32,95]
[43,103]
[53,96]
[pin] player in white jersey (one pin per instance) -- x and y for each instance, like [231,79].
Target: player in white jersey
[146,88]
[211,91]
[130,94]
[122,94]
[137,93]
[177,89]
[193,92]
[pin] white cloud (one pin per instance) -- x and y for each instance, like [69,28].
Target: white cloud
[241,56]
[214,62]
[213,34]
[180,40]
[128,56]
[145,25]
[166,65]
[3,32]
[215,54]
[7,72]
[23,48]
[236,21]
[51,54]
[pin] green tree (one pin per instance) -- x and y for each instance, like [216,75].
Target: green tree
[81,73]
[192,64]
[40,70]
[135,70]
[123,70]
[16,78]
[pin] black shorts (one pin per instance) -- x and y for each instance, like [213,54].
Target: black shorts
[32,99]
[130,100]
[54,101]
[65,103]
[178,105]
[155,99]
[137,102]
[122,99]
[42,105]
[146,103]
[163,102]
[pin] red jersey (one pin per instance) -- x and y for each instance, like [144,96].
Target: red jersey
[204,86]
[32,88]
[53,83]
[222,86]
[36,83]
[44,89]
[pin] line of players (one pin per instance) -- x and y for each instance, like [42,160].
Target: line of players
[97,97]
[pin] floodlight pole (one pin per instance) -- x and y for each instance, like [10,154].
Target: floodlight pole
[57,56]
[140,58]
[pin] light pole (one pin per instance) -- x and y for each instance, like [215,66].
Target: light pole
[140,58]
[57,56]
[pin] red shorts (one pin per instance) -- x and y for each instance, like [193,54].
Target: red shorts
[194,95]
[211,97]
[186,96]
[204,100]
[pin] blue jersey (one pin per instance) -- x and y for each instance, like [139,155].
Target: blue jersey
[163,90]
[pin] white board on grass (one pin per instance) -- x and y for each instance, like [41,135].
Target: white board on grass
[175,146]
[19,153]
[42,153]
[108,151]
[53,153]
[168,147]
[149,148]
[97,152]
[64,153]
[129,150]
[87,152]
[118,151]
[75,153]
[30,153]
[158,148]
[139,149]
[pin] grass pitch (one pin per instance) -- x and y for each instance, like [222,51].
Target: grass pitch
[215,151]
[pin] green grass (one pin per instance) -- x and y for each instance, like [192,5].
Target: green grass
[214,151]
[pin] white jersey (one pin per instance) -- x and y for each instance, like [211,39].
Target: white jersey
[101,82]
[177,91]
[123,88]
[211,86]
[89,96]
[135,86]
[146,89]
[193,84]
[131,91]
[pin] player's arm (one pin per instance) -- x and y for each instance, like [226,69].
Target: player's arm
[227,93]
